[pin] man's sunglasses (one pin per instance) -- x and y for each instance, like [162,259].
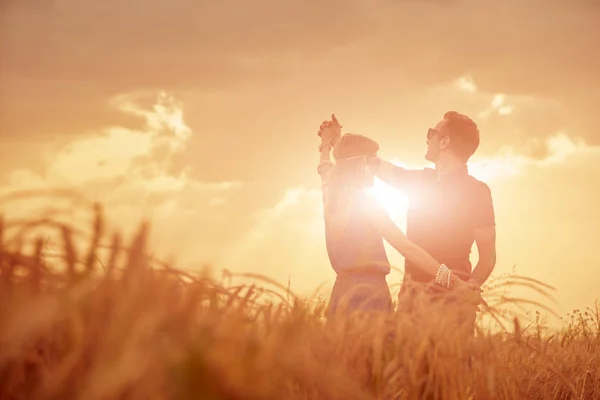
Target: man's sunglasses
[432,132]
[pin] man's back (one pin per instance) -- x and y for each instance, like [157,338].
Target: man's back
[442,218]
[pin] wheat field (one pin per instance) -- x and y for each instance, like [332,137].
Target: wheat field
[101,319]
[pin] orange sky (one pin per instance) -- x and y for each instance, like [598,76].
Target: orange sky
[227,161]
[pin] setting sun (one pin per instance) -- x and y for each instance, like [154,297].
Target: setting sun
[394,201]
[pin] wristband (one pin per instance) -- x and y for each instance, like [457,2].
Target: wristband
[324,164]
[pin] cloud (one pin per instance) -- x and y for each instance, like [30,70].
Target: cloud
[135,174]
[520,121]
[61,55]
[533,47]
[285,240]
[542,51]
[172,43]
[466,83]
[511,161]
[498,106]
[60,59]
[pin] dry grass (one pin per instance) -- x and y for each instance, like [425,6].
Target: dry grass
[110,323]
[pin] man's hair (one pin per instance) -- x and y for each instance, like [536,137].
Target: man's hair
[463,133]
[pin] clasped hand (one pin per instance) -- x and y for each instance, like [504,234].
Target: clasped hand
[330,131]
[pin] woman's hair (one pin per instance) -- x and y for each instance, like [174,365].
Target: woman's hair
[349,175]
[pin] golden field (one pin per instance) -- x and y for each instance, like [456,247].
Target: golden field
[101,319]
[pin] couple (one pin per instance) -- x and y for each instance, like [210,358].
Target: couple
[448,211]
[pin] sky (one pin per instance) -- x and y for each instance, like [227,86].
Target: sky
[203,117]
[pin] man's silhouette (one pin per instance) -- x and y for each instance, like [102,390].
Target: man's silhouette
[448,211]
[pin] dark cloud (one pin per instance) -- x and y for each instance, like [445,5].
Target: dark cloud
[44,109]
[69,56]
[66,58]
[521,46]
[128,42]
[547,50]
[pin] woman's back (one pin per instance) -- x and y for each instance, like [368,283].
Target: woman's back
[358,257]
[353,243]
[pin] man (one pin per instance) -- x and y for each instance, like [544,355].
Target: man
[449,210]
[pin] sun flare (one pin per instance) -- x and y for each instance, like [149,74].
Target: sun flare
[394,201]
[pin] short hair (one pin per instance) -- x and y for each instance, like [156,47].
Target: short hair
[354,145]
[463,133]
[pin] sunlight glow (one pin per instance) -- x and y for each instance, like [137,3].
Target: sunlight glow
[393,200]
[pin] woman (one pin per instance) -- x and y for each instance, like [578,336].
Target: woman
[356,225]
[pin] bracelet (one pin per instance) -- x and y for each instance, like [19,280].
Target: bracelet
[440,272]
[444,277]
[322,165]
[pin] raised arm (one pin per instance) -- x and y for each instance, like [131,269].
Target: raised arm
[329,132]
[324,168]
